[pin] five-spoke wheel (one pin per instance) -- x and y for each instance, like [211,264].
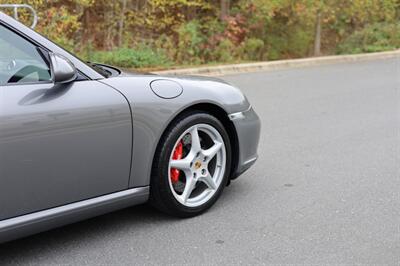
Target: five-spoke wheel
[192,165]
[202,166]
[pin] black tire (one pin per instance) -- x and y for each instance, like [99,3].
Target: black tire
[161,196]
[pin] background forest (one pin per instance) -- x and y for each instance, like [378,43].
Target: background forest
[170,33]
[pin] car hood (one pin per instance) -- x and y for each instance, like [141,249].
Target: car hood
[194,90]
[130,73]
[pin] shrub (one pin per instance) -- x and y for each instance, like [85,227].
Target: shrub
[189,42]
[373,38]
[285,42]
[224,51]
[166,44]
[253,49]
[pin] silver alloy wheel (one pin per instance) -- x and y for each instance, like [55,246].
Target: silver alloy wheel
[195,166]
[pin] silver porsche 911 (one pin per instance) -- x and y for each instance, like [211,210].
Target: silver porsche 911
[78,140]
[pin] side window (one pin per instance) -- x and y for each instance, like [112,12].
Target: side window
[20,60]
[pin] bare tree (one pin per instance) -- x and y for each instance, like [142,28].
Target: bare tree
[225,7]
[317,37]
[121,23]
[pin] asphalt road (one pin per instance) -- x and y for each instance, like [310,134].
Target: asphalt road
[326,188]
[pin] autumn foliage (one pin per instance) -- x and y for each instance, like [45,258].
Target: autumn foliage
[166,33]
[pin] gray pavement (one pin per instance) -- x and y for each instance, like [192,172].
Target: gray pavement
[326,189]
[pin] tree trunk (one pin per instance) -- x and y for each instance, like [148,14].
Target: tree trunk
[225,6]
[88,35]
[112,29]
[317,38]
[121,24]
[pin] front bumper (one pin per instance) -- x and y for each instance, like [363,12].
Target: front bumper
[248,126]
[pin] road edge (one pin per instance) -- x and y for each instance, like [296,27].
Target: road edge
[280,64]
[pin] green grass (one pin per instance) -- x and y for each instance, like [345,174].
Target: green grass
[131,58]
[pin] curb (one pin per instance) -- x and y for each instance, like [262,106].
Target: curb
[281,64]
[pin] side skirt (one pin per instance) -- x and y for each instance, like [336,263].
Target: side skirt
[33,223]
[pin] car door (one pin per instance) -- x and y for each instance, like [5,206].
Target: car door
[59,143]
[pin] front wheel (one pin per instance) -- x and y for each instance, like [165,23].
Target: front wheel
[191,166]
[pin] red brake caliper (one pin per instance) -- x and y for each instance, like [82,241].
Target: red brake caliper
[178,152]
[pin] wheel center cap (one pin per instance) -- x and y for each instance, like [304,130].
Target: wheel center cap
[197,165]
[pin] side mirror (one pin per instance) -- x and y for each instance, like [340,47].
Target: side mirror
[63,70]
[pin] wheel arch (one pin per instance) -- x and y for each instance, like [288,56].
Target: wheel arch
[222,116]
